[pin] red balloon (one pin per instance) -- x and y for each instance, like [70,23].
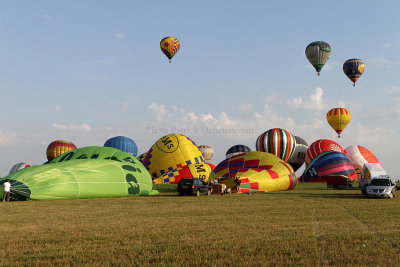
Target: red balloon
[321,146]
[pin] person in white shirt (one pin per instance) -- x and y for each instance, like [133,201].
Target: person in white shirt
[7,188]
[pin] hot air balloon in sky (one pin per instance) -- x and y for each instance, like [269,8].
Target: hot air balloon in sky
[58,147]
[170,46]
[299,154]
[359,156]
[257,171]
[318,54]
[353,68]
[277,141]
[207,152]
[321,146]
[171,152]
[236,150]
[338,119]
[123,143]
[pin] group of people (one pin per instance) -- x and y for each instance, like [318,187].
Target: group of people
[237,181]
[7,191]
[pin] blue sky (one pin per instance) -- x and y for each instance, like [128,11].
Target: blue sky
[85,71]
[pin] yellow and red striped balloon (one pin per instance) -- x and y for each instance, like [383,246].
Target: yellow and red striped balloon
[338,119]
[170,46]
[58,147]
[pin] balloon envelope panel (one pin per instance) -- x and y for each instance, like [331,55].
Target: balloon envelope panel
[171,152]
[330,163]
[318,54]
[255,169]
[207,152]
[236,150]
[95,152]
[321,146]
[359,156]
[123,143]
[83,178]
[277,141]
[199,170]
[299,154]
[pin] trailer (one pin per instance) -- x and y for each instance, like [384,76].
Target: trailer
[338,182]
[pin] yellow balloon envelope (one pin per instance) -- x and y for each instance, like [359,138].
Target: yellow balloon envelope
[257,171]
[171,152]
[199,170]
[338,119]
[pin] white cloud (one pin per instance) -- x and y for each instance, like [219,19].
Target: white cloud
[386,45]
[7,138]
[119,35]
[315,101]
[383,62]
[57,108]
[45,16]
[83,127]
[158,111]
[245,107]
[125,105]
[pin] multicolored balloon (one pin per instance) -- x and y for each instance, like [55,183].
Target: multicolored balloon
[141,157]
[257,171]
[318,54]
[236,150]
[299,154]
[338,119]
[277,141]
[353,68]
[207,152]
[58,147]
[171,152]
[330,163]
[321,146]
[123,143]
[359,156]
[199,170]
[170,46]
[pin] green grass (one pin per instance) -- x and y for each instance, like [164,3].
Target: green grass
[308,226]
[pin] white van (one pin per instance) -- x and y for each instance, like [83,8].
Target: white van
[369,172]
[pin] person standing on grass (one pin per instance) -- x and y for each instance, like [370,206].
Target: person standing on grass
[238,182]
[7,189]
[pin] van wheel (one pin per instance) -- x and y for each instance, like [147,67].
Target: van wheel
[393,194]
[198,193]
[181,193]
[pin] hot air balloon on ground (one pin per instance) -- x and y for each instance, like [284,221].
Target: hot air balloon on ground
[141,157]
[123,143]
[359,156]
[199,170]
[257,171]
[277,141]
[236,150]
[353,68]
[171,152]
[338,119]
[170,46]
[207,152]
[19,166]
[318,54]
[90,172]
[321,146]
[330,163]
[299,154]
[58,147]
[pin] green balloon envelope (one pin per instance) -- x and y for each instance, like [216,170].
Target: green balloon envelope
[95,152]
[105,172]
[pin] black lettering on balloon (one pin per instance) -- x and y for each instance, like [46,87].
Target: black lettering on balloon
[83,156]
[94,156]
[67,156]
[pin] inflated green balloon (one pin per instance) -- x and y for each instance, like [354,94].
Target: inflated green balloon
[84,178]
[95,152]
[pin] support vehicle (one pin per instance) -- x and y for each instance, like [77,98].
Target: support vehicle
[193,186]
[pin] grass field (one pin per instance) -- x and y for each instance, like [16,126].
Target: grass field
[308,226]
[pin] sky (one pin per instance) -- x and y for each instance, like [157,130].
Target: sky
[85,71]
